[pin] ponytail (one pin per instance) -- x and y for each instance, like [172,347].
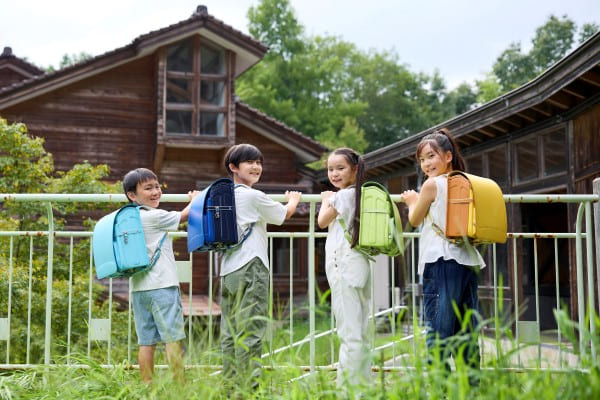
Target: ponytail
[442,141]
[355,160]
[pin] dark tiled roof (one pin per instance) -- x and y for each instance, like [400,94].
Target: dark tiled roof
[7,57]
[200,19]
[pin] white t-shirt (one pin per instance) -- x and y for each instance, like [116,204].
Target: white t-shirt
[252,206]
[431,245]
[344,203]
[156,223]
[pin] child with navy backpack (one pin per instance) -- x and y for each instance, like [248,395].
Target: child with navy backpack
[156,300]
[245,268]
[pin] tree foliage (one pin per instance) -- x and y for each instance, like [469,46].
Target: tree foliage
[26,167]
[330,90]
[514,67]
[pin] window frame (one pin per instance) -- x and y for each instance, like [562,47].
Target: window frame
[196,107]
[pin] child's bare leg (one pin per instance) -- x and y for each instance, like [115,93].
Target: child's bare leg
[146,361]
[175,360]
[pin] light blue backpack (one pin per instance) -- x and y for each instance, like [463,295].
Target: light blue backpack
[119,245]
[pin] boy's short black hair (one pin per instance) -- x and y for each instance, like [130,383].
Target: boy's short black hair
[240,153]
[135,176]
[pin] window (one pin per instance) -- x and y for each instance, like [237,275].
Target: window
[526,159]
[541,155]
[490,163]
[475,165]
[497,165]
[555,158]
[196,89]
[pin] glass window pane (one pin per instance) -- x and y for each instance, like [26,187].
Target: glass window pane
[555,157]
[179,56]
[497,165]
[179,91]
[212,124]
[212,61]
[212,92]
[526,156]
[474,165]
[179,122]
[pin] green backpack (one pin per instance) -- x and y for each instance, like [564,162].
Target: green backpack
[380,225]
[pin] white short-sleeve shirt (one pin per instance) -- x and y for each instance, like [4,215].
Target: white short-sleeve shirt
[252,206]
[343,202]
[156,223]
[431,245]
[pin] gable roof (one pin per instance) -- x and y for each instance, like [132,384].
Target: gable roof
[569,86]
[304,147]
[10,61]
[248,50]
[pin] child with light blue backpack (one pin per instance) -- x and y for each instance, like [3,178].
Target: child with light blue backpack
[155,292]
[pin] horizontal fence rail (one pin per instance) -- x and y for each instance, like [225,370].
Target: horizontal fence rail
[89,316]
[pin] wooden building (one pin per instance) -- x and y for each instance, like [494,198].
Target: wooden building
[543,137]
[166,101]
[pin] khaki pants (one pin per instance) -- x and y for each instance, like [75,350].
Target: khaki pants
[244,307]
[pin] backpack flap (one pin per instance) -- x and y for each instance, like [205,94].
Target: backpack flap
[380,225]
[459,213]
[212,223]
[129,242]
[220,214]
[489,210]
[102,246]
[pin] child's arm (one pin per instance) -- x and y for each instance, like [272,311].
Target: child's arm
[293,199]
[186,211]
[327,213]
[418,203]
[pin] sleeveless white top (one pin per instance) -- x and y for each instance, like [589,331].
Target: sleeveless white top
[431,245]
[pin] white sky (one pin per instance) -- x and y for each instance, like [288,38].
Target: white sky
[460,38]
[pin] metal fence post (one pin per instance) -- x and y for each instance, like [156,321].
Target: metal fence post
[597,233]
[48,335]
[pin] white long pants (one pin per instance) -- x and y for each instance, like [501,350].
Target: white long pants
[348,275]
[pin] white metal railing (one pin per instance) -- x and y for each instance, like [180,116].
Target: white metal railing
[101,330]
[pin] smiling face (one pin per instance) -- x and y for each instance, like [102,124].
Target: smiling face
[247,173]
[147,193]
[434,163]
[339,171]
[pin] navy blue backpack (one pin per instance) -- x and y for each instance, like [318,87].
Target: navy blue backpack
[212,224]
[119,245]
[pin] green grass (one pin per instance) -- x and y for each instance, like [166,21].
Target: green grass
[423,382]
[287,381]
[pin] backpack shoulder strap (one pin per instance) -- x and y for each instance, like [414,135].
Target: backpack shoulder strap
[156,253]
[247,232]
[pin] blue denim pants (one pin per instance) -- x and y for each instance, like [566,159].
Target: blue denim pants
[447,283]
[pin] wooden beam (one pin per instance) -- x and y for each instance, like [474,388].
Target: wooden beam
[573,92]
[472,137]
[486,132]
[591,77]
[542,109]
[526,116]
[498,126]
[561,100]
[513,123]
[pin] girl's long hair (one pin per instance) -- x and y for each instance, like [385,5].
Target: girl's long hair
[355,160]
[442,141]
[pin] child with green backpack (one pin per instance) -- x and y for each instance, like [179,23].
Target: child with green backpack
[347,268]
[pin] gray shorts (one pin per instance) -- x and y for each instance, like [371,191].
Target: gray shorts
[158,316]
